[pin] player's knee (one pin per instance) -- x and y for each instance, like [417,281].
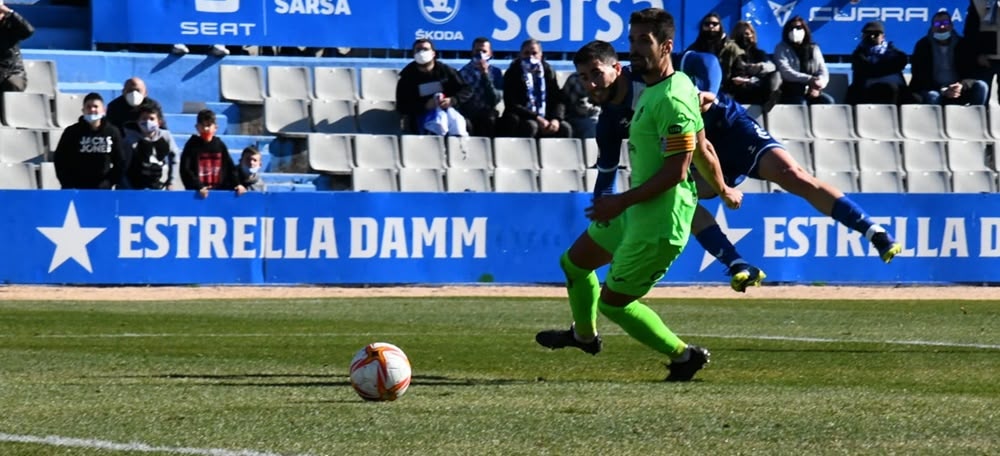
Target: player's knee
[571,270]
[794,178]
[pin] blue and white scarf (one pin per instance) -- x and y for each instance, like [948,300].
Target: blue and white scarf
[534,82]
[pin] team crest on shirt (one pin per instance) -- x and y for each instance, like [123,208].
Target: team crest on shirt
[675,129]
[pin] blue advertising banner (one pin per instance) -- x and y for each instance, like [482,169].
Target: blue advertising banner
[318,23]
[836,25]
[133,237]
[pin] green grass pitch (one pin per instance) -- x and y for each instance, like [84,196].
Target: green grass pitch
[270,377]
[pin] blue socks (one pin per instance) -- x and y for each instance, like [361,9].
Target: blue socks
[715,242]
[852,216]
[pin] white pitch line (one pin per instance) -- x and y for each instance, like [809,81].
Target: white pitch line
[923,343]
[70,442]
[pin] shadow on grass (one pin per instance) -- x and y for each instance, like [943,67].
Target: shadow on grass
[295,380]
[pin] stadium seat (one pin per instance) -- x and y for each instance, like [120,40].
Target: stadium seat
[995,121]
[832,121]
[509,180]
[18,176]
[379,84]
[755,186]
[288,82]
[562,76]
[788,121]
[590,152]
[47,179]
[967,156]
[756,112]
[69,108]
[974,182]
[287,117]
[967,123]
[879,155]
[42,77]
[421,180]
[241,83]
[846,182]
[837,87]
[922,122]
[27,110]
[21,146]
[422,151]
[834,156]
[376,151]
[330,153]
[924,156]
[470,152]
[468,180]
[52,138]
[333,83]
[560,180]
[374,180]
[802,153]
[624,180]
[378,117]
[623,157]
[878,121]
[590,180]
[561,153]
[515,153]
[881,182]
[928,182]
[333,116]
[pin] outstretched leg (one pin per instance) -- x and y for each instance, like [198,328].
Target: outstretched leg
[777,166]
[708,233]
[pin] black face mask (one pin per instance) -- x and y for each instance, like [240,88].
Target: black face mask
[712,35]
[745,42]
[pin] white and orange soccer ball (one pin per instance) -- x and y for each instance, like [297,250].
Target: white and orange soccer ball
[380,372]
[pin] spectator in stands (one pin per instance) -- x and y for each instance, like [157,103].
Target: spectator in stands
[982,29]
[753,78]
[803,70]
[125,108]
[533,104]
[711,38]
[429,92]
[13,29]
[151,152]
[878,69]
[249,170]
[486,82]
[943,67]
[90,154]
[205,161]
[581,112]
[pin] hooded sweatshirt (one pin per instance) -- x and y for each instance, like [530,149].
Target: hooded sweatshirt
[89,158]
[148,157]
[207,164]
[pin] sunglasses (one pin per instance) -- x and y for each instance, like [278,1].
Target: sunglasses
[798,27]
[942,23]
[711,24]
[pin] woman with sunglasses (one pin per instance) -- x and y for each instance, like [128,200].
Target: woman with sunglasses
[803,70]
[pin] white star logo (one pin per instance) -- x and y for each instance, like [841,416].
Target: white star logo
[71,240]
[734,235]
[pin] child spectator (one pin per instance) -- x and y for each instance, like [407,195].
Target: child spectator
[249,171]
[151,152]
[90,153]
[205,162]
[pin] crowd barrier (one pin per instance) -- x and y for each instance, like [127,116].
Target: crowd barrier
[561,25]
[136,237]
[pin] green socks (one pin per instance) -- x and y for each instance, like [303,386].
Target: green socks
[584,289]
[644,325]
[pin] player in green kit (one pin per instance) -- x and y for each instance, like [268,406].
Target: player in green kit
[645,228]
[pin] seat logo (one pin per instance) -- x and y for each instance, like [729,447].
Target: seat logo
[439,11]
[217,6]
[782,11]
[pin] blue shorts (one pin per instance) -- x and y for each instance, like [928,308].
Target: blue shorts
[740,147]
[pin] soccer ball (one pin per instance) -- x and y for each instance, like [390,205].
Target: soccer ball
[380,372]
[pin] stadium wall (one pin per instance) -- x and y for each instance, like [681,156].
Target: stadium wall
[135,237]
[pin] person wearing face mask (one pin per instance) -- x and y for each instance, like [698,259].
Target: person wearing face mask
[249,170]
[878,69]
[486,82]
[753,77]
[125,108]
[533,104]
[429,92]
[14,29]
[800,61]
[151,152]
[205,161]
[943,67]
[90,154]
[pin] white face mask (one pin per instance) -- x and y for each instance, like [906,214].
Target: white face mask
[134,97]
[254,170]
[942,36]
[423,57]
[797,36]
[92,118]
[149,126]
[483,55]
[534,61]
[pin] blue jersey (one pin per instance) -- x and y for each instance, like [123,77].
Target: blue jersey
[612,128]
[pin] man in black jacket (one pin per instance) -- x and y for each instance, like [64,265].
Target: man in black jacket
[533,103]
[943,67]
[13,30]
[878,69]
[90,154]
[125,108]
[429,87]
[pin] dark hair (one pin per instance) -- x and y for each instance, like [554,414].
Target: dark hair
[206,117]
[421,41]
[740,27]
[791,24]
[93,96]
[599,50]
[150,108]
[479,40]
[529,42]
[658,19]
[249,150]
[712,14]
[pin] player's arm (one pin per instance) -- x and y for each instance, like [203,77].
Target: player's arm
[707,163]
